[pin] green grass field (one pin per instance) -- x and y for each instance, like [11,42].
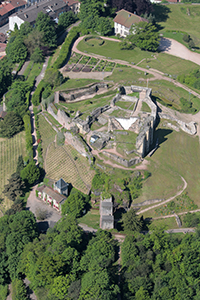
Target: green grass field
[178,154]
[10,150]
[183,17]
[170,64]
[66,162]
[91,219]
[75,83]
[168,223]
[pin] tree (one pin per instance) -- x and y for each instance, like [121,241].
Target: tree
[104,26]
[144,36]
[66,19]
[37,56]
[31,173]
[35,39]
[131,221]
[20,164]
[16,50]
[18,290]
[14,188]
[25,29]
[53,77]
[11,125]
[75,204]
[5,75]
[46,25]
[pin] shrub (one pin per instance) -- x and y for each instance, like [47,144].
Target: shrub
[36,98]
[186,38]
[28,135]
[66,47]
[191,44]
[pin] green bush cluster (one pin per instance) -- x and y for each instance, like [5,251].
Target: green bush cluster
[39,148]
[192,79]
[66,47]
[36,98]
[181,203]
[29,140]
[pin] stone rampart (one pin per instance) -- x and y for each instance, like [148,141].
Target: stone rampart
[114,100]
[189,128]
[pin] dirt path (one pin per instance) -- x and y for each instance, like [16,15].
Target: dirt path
[175,48]
[166,201]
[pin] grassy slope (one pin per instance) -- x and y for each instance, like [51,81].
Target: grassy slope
[178,19]
[178,154]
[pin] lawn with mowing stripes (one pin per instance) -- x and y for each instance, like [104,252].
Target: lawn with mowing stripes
[10,149]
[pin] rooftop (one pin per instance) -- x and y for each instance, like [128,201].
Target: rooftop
[61,183]
[50,192]
[48,7]
[127,19]
[5,7]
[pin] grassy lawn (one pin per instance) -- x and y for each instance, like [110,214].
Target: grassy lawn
[170,94]
[66,162]
[178,154]
[168,223]
[128,76]
[111,50]
[36,70]
[52,120]
[145,107]
[91,219]
[125,142]
[183,17]
[75,83]
[28,69]
[125,104]
[47,133]
[10,150]
[170,64]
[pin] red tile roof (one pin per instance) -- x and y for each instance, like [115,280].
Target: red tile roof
[2,47]
[71,2]
[127,19]
[5,7]
[3,37]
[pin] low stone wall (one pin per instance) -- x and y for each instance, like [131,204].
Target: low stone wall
[122,161]
[189,128]
[76,142]
[147,202]
[114,100]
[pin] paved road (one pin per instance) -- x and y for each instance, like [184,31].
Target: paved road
[175,48]
[4,28]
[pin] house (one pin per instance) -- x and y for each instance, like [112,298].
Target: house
[52,7]
[74,5]
[8,8]
[106,214]
[52,196]
[124,20]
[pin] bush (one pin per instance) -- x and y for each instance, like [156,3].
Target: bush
[186,38]
[66,47]
[36,98]
[60,139]
[191,44]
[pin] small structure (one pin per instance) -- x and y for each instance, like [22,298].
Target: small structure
[54,197]
[106,214]
[61,187]
[124,20]
[94,138]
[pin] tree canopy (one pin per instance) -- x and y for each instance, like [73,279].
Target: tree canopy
[11,125]
[45,25]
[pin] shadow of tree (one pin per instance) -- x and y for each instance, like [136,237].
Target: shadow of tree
[161,12]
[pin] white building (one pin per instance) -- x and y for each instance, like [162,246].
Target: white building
[124,20]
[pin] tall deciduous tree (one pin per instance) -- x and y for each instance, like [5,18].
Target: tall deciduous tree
[14,188]
[46,25]
[66,19]
[16,50]
[31,173]
[144,36]
[11,125]
[131,221]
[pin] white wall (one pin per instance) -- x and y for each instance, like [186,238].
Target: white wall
[13,20]
[120,29]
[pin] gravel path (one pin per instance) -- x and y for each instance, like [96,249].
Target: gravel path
[175,48]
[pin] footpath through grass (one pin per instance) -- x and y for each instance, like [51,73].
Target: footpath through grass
[10,149]
[178,154]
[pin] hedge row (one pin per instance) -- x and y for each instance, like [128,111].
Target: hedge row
[29,140]
[66,47]
[36,98]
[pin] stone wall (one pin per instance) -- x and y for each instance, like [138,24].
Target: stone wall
[80,92]
[120,160]
[189,128]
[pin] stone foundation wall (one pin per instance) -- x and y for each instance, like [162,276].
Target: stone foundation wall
[122,161]
[189,128]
